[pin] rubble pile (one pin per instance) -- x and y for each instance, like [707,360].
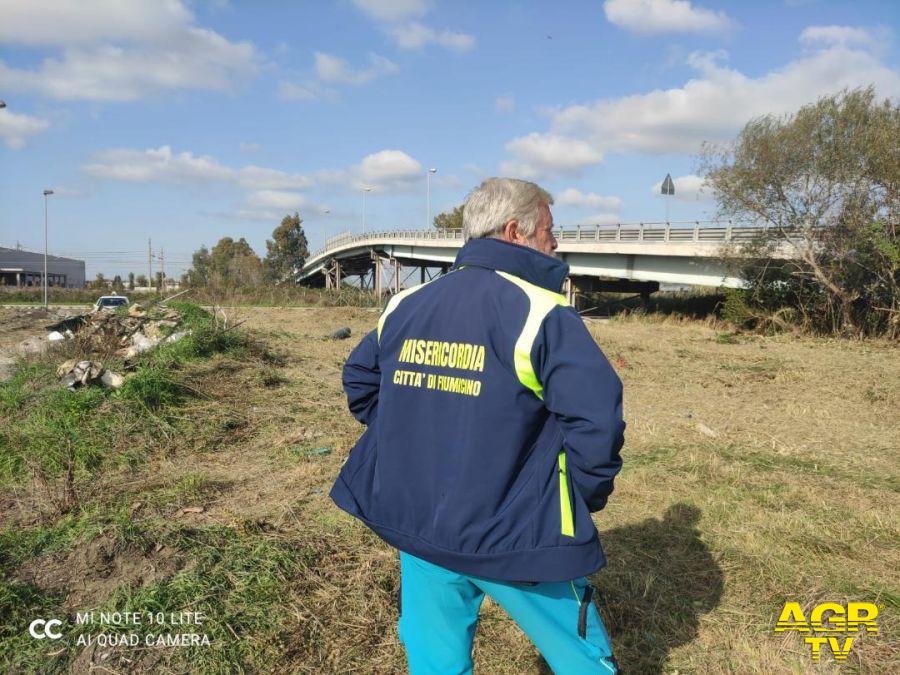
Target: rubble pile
[121,334]
[130,334]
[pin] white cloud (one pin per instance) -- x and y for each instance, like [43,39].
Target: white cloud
[543,154]
[161,165]
[388,168]
[414,35]
[589,200]
[397,19]
[504,104]
[15,129]
[335,70]
[277,199]
[72,22]
[664,16]
[689,188]
[393,10]
[121,51]
[291,91]
[714,105]
[839,35]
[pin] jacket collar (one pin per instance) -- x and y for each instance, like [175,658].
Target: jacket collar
[526,263]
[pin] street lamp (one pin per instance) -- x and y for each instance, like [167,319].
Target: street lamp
[47,193]
[428,197]
[365,190]
[325,230]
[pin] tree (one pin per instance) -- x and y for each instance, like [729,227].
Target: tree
[450,221]
[159,281]
[198,275]
[141,280]
[221,255]
[131,281]
[826,182]
[287,250]
[100,281]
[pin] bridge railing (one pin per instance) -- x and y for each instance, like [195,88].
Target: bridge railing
[685,231]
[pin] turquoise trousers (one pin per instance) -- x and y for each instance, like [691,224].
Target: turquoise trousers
[439,615]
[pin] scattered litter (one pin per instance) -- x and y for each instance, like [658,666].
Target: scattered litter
[706,431]
[319,451]
[189,509]
[317,490]
[75,373]
[134,508]
[55,336]
[340,334]
[159,547]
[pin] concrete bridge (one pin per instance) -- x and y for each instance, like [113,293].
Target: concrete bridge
[623,258]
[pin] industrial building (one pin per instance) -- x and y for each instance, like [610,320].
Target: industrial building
[20,268]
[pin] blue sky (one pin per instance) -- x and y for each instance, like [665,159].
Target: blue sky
[188,121]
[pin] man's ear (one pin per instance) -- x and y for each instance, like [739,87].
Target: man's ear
[511,232]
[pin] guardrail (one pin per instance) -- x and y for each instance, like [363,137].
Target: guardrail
[630,232]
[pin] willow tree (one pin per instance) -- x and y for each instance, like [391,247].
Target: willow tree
[824,181]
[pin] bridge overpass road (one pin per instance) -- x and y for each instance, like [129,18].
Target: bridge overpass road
[625,258]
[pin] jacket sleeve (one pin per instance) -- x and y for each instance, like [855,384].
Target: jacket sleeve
[362,378]
[584,393]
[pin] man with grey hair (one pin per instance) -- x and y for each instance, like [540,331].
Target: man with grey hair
[494,425]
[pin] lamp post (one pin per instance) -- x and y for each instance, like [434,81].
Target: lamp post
[365,190]
[325,230]
[47,193]
[428,197]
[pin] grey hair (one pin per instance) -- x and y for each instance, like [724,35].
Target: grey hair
[495,202]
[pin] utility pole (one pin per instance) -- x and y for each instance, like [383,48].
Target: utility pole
[162,263]
[149,261]
[47,193]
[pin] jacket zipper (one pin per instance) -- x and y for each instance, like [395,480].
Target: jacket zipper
[565,504]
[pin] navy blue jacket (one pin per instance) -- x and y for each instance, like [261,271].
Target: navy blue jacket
[494,422]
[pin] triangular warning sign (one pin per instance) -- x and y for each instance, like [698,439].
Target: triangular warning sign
[668,187]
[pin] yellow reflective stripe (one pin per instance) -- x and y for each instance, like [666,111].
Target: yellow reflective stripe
[541,301]
[393,302]
[565,506]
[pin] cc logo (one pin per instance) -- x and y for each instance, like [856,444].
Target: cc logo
[41,628]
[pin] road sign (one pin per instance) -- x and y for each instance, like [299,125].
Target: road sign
[668,187]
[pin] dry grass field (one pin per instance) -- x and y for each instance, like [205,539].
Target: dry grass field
[758,470]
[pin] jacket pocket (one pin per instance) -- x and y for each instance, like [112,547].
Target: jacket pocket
[566,518]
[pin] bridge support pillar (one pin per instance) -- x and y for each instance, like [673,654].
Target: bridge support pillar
[377,275]
[333,275]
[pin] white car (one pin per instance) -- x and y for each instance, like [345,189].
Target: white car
[110,302]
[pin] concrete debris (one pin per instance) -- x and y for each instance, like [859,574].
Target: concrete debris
[33,346]
[340,334]
[111,380]
[76,374]
[175,337]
